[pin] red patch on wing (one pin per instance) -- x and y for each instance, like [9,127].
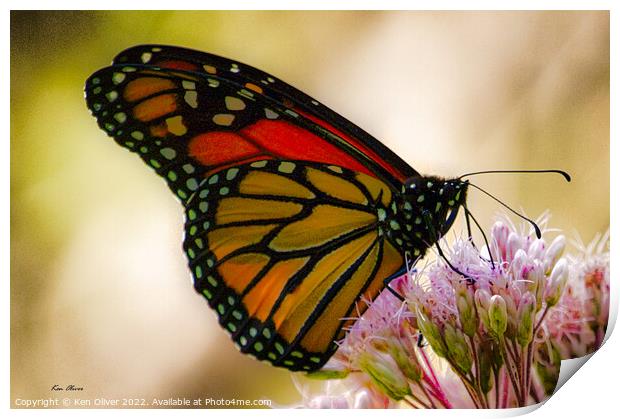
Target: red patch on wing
[177,65]
[218,148]
[269,139]
[285,140]
[356,144]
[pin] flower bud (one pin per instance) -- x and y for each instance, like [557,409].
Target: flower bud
[537,249]
[531,276]
[431,333]
[458,348]
[554,252]
[514,244]
[500,232]
[498,317]
[385,374]
[413,321]
[518,263]
[485,355]
[556,283]
[511,315]
[525,322]
[380,344]
[483,301]
[405,359]
[467,311]
[500,280]
[537,276]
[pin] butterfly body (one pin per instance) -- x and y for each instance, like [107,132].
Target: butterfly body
[292,212]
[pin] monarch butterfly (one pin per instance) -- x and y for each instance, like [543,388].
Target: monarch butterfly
[292,212]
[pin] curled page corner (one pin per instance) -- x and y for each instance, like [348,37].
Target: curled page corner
[568,368]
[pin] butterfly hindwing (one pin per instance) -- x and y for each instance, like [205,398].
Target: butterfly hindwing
[282,250]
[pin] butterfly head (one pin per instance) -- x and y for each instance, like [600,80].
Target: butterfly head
[434,203]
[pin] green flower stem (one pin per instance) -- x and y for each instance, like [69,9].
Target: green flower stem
[508,366]
[524,375]
[528,368]
[518,365]
[410,403]
[542,317]
[504,375]
[497,385]
[477,375]
[512,352]
[530,352]
[516,349]
[417,400]
[476,363]
[472,394]
[428,396]
[469,386]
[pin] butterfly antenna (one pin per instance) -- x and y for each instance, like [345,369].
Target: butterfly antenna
[469,214]
[561,172]
[536,228]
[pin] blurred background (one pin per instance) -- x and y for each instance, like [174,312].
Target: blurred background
[100,294]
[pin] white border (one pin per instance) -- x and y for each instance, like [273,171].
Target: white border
[592,393]
[313,5]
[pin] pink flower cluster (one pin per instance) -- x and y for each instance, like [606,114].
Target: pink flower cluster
[577,325]
[488,336]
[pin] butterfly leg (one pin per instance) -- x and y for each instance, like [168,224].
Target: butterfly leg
[486,242]
[389,279]
[469,234]
[427,219]
[386,283]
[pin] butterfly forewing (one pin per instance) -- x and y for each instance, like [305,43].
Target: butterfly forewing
[321,120]
[185,124]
